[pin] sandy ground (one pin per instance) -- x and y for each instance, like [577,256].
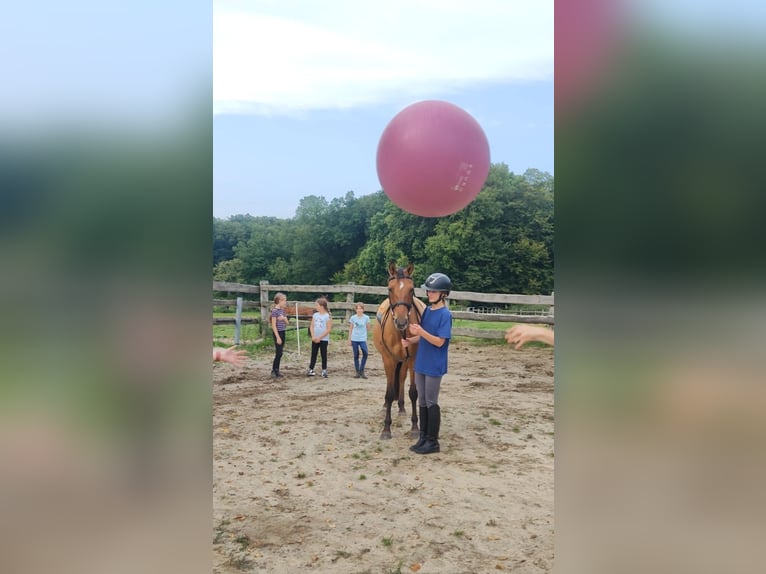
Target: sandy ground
[302,482]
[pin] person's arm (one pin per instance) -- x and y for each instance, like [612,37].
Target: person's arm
[230,355]
[520,335]
[329,328]
[275,329]
[418,330]
[350,328]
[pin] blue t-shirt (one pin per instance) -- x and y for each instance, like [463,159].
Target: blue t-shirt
[359,327]
[320,325]
[432,360]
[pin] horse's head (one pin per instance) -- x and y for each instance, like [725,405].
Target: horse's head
[401,291]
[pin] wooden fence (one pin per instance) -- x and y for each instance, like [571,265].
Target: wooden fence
[492,301]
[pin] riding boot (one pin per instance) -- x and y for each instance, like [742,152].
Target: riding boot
[423,412]
[431,443]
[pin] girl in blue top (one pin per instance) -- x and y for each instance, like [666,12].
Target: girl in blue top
[433,335]
[321,324]
[357,338]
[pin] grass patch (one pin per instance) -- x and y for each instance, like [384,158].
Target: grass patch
[239,562]
[458,533]
[362,477]
[363,455]
[341,554]
[388,541]
[243,541]
[516,429]
[495,422]
[220,530]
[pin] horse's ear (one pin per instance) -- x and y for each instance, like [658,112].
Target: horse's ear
[410,268]
[392,268]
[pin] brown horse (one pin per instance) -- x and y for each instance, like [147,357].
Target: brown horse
[396,313]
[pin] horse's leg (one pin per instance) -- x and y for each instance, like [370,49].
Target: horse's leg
[386,434]
[400,395]
[414,430]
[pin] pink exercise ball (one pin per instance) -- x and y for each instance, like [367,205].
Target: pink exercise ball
[433,158]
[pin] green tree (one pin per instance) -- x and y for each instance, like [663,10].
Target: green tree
[500,242]
[262,249]
[228,233]
[503,240]
[229,270]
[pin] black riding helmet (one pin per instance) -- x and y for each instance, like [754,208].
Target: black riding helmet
[438,282]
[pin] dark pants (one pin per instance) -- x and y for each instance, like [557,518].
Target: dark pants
[356,346]
[321,347]
[278,350]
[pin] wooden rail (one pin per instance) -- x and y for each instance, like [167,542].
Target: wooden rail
[264,289]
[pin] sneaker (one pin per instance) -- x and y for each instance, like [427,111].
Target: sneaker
[324,374]
[312,373]
[274,374]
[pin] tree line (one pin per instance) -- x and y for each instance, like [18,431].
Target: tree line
[501,242]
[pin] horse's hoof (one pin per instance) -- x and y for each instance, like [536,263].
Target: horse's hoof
[403,414]
[385,435]
[415,433]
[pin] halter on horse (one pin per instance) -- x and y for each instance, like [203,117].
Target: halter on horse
[395,315]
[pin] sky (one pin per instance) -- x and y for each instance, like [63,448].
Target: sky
[303,89]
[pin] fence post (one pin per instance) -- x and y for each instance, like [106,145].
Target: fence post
[550,309]
[238,320]
[350,299]
[264,292]
[297,329]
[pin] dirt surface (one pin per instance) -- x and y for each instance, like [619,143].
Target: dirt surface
[303,483]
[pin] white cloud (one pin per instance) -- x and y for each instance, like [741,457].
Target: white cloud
[283,57]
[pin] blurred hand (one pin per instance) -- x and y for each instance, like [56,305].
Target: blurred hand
[520,335]
[231,355]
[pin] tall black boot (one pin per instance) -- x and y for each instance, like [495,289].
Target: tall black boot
[423,413]
[432,434]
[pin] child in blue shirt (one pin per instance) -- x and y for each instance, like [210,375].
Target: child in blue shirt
[433,335]
[359,324]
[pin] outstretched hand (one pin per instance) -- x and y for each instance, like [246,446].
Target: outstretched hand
[231,355]
[520,335]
